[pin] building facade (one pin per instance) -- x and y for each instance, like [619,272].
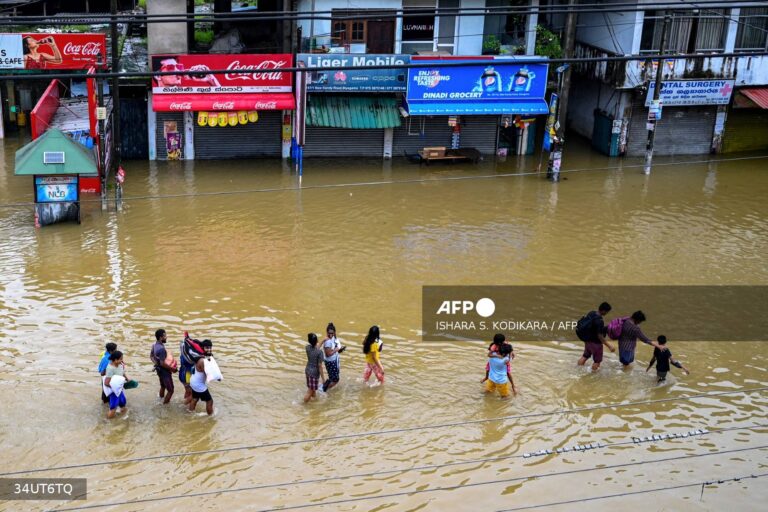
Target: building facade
[709,105]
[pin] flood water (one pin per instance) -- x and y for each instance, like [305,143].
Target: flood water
[257,268]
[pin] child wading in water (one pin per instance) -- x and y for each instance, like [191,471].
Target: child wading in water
[372,347]
[499,376]
[663,358]
[314,368]
[498,340]
[114,390]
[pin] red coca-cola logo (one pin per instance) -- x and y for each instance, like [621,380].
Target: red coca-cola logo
[181,106]
[265,105]
[89,49]
[251,74]
[224,105]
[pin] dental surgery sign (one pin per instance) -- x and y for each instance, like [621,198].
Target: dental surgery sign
[391,79]
[480,87]
[675,93]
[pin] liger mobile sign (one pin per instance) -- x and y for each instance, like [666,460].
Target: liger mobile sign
[477,82]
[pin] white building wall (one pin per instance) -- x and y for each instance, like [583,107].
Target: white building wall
[469,31]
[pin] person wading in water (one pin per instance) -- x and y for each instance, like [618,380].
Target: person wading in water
[591,330]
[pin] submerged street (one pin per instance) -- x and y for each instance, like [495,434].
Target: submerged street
[234,251]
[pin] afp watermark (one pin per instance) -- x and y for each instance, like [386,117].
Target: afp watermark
[550,313]
[60,489]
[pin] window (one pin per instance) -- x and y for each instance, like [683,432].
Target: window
[688,32]
[346,31]
[753,29]
[423,32]
[506,29]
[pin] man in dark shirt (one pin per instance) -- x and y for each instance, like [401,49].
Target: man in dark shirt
[164,371]
[595,337]
[662,356]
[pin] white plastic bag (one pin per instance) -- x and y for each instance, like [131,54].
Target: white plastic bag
[212,371]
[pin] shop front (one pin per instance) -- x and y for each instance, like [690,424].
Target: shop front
[747,127]
[692,117]
[240,114]
[474,105]
[352,112]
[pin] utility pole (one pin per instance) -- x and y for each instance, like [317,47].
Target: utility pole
[564,87]
[116,141]
[655,104]
[102,147]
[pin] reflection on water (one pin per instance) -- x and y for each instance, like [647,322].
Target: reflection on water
[257,271]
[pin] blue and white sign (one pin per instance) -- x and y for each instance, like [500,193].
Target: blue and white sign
[676,93]
[55,189]
[352,80]
[481,87]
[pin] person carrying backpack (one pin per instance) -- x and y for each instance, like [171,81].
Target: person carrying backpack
[627,331]
[591,330]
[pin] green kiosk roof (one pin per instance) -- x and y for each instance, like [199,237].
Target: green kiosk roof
[54,153]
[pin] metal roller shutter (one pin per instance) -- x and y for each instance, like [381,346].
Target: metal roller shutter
[162,117]
[428,130]
[323,141]
[681,131]
[259,139]
[746,130]
[480,132]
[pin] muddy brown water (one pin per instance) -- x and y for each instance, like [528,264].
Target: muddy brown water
[256,271]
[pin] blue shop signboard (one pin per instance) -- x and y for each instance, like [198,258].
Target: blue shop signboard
[56,189]
[355,80]
[478,87]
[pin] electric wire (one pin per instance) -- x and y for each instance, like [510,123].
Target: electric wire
[418,491]
[438,63]
[390,182]
[432,467]
[632,493]
[358,435]
[364,13]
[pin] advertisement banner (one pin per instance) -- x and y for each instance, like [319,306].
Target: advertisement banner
[249,73]
[675,93]
[351,80]
[52,51]
[477,82]
[55,189]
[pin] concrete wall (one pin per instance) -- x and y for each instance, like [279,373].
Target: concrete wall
[586,96]
[167,37]
[616,36]
[746,70]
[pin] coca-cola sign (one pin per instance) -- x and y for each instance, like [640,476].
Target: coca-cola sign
[246,73]
[184,105]
[52,51]
[90,48]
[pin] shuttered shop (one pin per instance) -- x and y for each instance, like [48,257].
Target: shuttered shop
[324,141]
[160,124]
[746,130]
[681,130]
[417,132]
[259,139]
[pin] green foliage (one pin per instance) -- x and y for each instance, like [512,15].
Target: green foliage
[491,45]
[204,36]
[548,43]
[143,4]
